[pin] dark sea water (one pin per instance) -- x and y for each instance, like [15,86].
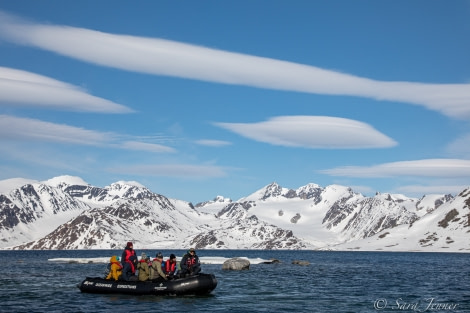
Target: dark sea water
[333,282]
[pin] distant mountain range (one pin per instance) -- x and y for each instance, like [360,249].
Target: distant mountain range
[67,213]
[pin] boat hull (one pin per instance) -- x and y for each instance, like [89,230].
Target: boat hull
[194,285]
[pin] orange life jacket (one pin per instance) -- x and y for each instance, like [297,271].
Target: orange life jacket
[170,267]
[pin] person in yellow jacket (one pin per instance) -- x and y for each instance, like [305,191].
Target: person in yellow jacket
[115,269]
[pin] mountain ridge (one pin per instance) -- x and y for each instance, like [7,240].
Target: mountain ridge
[65,212]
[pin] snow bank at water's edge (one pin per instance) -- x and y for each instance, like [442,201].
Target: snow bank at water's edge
[203,260]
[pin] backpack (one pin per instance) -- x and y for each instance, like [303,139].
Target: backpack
[107,270]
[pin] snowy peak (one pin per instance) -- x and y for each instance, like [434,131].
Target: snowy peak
[64,181]
[271,191]
[213,206]
[275,191]
[216,200]
[124,189]
[222,199]
[97,196]
[309,191]
[445,228]
[429,203]
[33,210]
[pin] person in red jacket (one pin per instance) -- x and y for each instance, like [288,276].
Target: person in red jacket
[128,252]
[129,262]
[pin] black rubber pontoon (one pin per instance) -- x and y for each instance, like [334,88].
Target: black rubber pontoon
[200,284]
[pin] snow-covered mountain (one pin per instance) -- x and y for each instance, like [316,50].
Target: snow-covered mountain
[67,213]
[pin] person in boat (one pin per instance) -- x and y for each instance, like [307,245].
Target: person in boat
[143,267]
[115,270]
[128,269]
[128,252]
[190,264]
[156,271]
[169,266]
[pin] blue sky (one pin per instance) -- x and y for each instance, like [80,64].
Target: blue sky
[195,99]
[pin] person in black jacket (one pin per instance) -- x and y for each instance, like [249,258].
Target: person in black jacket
[128,269]
[190,264]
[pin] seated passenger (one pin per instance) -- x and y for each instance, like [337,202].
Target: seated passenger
[115,269]
[170,266]
[143,267]
[156,271]
[190,264]
[128,251]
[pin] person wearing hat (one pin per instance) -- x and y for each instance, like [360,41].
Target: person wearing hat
[129,262]
[190,264]
[115,268]
[143,267]
[156,271]
[170,266]
[128,252]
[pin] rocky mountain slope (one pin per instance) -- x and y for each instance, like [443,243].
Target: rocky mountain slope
[67,213]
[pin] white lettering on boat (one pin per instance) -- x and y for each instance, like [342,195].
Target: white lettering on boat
[160,288]
[104,285]
[127,286]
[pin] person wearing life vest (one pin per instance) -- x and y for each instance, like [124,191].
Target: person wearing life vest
[190,264]
[115,269]
[128,252]
[129,263]
[156,270]
[143,267]
[129,268]
[170,266]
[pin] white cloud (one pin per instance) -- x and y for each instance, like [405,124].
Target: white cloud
[189,171]
[212,142]
[417,168]
[436,189]
[165,57]
[16,128]
[460,146]
[144,146]
[312,132]
[31,129]
[19,87]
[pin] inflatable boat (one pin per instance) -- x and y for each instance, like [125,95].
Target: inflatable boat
[200,284]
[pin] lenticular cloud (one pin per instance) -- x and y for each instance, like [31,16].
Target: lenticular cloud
[16,128]
[424,168]
[312,132]
[19,87]
[165,57]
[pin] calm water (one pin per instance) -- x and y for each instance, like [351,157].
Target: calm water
[333,282]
